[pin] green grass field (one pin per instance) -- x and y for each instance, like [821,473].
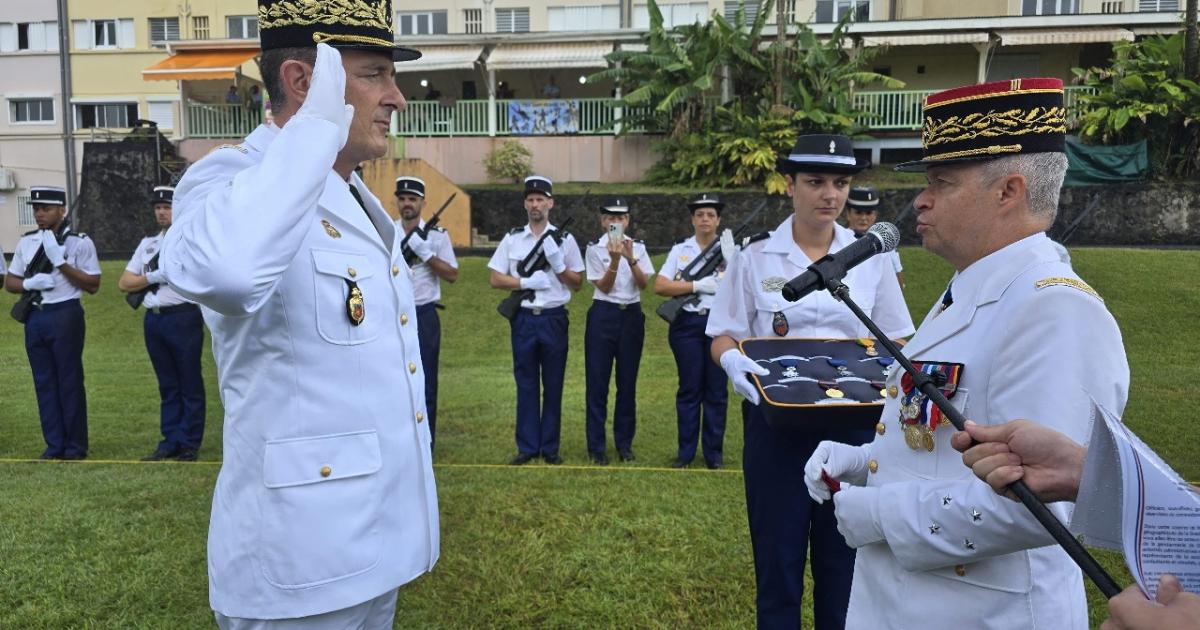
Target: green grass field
[110,543]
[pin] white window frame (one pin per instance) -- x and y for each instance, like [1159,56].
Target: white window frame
[13,99]
[101,26]
[85,34]
[166,21]
[674,14]
[75,105]
[512,15]
[1039,7]
[243,21]
[583,17]
[197,20]
[1159,6]
[414,20]
[152,101]
[472,21]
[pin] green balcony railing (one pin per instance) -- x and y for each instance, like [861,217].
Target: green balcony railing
[213,120]
[893,110]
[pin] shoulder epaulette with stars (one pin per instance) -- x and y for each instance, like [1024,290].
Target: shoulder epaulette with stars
[746,242]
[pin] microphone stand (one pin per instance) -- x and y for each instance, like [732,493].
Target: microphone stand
[925,383]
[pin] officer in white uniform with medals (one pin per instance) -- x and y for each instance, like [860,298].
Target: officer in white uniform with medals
[174,332]
[702,383]
[434,254]
[1022,337]
[749,303]
[325,503]
[539,330]
[57,265]
[616,330]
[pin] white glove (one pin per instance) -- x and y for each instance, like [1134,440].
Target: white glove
[326,99]
[857,512]
[737,365]
[840,461]
[707,284]
[156,277]
[554,255]
[39,282]
[539,281]
[151,301]
[419,246]
[728,249]
[54,251]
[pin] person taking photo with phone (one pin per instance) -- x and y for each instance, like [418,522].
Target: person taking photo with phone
[619,269]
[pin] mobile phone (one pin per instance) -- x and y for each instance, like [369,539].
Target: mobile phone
[616,232]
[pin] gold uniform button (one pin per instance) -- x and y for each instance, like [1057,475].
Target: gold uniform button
[873,466]
[352,271]
[880,428]
[960,570]
[412,367]
[326,471]
[395,270]
[892,391]
[403,319]
[420,416]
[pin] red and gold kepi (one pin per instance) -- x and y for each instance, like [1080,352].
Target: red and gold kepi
[992,120]
[354,24]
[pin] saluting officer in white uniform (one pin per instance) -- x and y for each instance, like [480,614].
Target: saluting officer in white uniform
[616,328]
[325,503]
[1027,338]
[539,330]
[434,261]
[784,522]
[58,265]
[174,332]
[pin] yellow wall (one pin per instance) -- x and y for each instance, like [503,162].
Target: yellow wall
[945,66]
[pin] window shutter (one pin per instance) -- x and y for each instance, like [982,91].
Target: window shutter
[125,37]
[439,23]
[162,112]
[52,36]
[8,37]
[83,35]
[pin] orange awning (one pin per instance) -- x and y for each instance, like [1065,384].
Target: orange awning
[198,65]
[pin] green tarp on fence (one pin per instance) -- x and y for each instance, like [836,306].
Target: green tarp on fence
[1091,165]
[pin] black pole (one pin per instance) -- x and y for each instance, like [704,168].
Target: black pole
[925,383]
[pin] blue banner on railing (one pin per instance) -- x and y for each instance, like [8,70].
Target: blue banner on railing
[533,118]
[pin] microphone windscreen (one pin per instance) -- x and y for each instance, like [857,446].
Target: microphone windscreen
[888,235]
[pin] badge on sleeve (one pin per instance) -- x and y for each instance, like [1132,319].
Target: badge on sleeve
[779,324]
[355,307]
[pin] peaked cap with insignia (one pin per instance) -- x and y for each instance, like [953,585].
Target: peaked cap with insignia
[540,185]
[48,195]
[992,120]
[409,185]
[353,24]
[162,194]
[821,153]
[615,206]
[706,200]
[863,199]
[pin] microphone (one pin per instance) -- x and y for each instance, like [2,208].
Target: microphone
[882,237]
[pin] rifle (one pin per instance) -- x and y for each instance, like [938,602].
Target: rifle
[409,257]
[533,262]
[702,266]
[135,298]
[40,263]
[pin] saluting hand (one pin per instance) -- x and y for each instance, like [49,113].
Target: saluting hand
[326,98]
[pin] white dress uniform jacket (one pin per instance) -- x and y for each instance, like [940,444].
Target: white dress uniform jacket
[624,288]
[427,287]
[1035,343]
[681,255]
[516,245]
[326,496]
[142,256]
[746,302]
[78,250]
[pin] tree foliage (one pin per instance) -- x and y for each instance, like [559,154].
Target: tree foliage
[1145,94]
[675,86]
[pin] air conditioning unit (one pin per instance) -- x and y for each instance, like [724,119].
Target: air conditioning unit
[8,179]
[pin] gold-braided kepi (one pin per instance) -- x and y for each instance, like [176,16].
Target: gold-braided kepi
[992,120]
[354,24]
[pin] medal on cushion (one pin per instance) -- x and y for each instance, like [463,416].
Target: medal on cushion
[779,324]
[355,307]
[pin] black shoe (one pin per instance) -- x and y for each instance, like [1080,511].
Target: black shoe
[75,456]
[600,459]
[186,454]
[158,455]
[715,462]
[680,463]
[552,458]
[521,459]
[47,455]
[626,454]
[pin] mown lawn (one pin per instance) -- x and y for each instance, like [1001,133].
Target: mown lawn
[113,544]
